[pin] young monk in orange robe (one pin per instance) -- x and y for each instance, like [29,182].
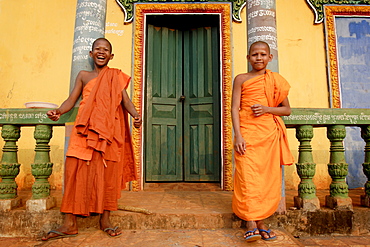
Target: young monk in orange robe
[259,98]
[99,158]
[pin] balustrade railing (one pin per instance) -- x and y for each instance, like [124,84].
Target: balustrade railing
[335,120]
[12,120]
[303,120]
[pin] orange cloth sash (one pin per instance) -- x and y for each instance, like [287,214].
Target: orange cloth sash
[277,89]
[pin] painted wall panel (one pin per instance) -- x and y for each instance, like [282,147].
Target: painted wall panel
[353,43]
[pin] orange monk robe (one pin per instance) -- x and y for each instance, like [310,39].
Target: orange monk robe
[257,179]
[100,157]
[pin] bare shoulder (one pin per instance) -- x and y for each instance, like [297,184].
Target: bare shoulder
[86,76]
[239,79]
[83,74]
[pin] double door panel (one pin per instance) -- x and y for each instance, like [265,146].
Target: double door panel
[182,139]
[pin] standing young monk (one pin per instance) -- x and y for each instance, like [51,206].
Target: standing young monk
[259,98]
[99,158]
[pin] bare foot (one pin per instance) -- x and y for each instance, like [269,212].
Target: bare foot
[68,229]
[107,227]
[252,233]
[266,233]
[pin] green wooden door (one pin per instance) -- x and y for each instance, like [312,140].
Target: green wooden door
[201,108]
[182,131]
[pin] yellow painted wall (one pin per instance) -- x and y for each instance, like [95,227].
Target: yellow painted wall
[302,61]
[36,48]
[36,41]
[36,45]
[239,45]
[120,35]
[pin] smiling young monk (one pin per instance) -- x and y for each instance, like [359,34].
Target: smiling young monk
[99,158]
[259,98]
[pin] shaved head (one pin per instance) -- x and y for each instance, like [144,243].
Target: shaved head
[259,43]
[99,39]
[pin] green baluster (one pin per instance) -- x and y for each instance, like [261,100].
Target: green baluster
[338,170]
[42,167]
[306,169]
[9,163]
[365,134]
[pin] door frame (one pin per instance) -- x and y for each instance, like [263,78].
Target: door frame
[138,96]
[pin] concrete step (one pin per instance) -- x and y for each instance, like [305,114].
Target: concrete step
[186,210]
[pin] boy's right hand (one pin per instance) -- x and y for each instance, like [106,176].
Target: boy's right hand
[54,114]
[240,145]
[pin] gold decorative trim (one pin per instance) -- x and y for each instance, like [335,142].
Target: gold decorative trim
[330,13]
[224,10]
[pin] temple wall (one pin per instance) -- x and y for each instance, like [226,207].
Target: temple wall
[36,48]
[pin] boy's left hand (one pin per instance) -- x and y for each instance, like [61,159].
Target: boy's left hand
[137,121]
[258,110]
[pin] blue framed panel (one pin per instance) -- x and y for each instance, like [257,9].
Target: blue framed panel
[348,42]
